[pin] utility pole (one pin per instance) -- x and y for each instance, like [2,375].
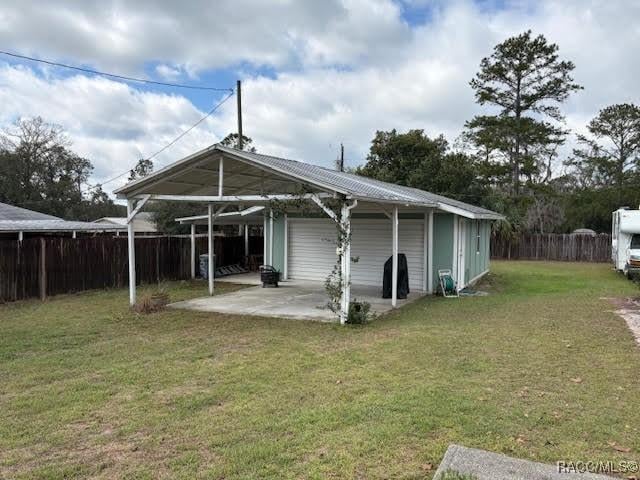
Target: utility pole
[239,95]
[340,161]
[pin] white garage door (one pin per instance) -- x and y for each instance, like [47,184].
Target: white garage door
[312,249]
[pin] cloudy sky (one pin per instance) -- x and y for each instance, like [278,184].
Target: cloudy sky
[314,73]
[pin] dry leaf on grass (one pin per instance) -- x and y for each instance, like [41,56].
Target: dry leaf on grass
[619,448]
[576,380]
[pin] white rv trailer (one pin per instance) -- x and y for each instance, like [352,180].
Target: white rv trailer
[625,241]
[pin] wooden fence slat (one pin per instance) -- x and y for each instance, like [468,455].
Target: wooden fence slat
[56,265]
[553,246]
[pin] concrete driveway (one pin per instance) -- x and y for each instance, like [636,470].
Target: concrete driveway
[292,299]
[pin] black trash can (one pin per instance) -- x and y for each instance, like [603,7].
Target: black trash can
[403,277]
[269,276]
[204,265]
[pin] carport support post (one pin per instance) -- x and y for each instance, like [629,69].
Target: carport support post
[246,242]
[430,253]
[210,247]
[270,237]
[265,259]
[394,257]
[193,250]
[131,246]
[345,262]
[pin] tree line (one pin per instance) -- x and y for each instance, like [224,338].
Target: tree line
[41,172]
[509,159]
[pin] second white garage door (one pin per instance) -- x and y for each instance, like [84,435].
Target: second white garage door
[312,249]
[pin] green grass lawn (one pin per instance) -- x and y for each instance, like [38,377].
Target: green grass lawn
[540,369]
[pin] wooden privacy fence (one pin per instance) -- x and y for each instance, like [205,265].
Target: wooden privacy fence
[38,267]
[553,246]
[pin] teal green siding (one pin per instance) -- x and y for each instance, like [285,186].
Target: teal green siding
[476,253]
[476,248]
[442,244]
[278,243]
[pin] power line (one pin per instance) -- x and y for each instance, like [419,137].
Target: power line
[171,143]
[113,75]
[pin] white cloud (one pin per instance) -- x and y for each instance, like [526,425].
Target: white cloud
[168,72]
[343,69]
[109,122]
[202,34]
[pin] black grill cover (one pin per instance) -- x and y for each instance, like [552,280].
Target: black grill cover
[403,277]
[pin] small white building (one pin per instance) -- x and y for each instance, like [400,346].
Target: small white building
[143,223]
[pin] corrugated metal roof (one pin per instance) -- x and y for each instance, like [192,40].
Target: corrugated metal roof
[10,212]
[344,182]
[54,226]
[360,186]
[17,219]
[350,184]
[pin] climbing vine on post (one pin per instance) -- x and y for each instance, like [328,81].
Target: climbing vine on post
[339,210]
[335,282]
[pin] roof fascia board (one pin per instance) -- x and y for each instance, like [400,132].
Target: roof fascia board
[399,203]
[467,214]
[456,210]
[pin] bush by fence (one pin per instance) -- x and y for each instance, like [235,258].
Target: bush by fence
[553,246]
[38,267]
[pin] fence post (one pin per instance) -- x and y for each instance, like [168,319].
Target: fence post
[43,269]
[193,250]
[158,242]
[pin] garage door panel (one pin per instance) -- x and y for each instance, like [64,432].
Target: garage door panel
[312,249]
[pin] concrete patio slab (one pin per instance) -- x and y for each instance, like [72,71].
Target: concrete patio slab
[483,465]
[249,278]
[293,299]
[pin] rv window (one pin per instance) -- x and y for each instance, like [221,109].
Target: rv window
[635,241]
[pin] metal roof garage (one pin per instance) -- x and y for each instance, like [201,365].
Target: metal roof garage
[382,219]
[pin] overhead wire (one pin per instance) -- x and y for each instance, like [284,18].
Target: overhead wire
[170,144]
[114,75]
[139,80]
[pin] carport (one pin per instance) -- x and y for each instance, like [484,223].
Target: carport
[380,219]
